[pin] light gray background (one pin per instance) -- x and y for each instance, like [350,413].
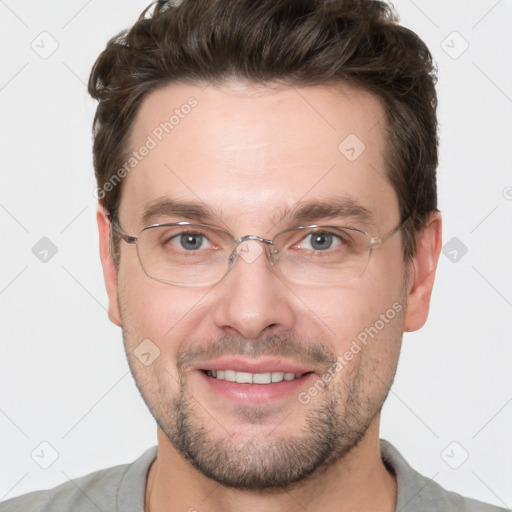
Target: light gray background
[65,380]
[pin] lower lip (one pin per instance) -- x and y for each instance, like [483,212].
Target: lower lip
[256,394]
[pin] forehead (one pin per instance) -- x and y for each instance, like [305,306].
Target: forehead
[250,154]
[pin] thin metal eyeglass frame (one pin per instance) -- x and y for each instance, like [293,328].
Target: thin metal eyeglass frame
[130,239]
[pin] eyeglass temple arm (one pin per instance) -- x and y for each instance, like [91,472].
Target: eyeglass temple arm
[383,238]
[118,231]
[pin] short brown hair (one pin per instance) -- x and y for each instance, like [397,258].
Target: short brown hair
[289,42]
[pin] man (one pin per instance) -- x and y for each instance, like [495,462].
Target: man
[268,230]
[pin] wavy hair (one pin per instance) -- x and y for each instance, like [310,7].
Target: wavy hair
[288,42]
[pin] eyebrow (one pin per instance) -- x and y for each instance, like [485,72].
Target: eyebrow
[168,207]
[334,208]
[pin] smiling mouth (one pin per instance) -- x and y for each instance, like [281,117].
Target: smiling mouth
[253,378]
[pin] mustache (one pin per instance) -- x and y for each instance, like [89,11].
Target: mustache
[286,347]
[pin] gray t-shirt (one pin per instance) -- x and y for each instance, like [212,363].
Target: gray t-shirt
[122,489]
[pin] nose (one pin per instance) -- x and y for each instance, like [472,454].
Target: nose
[251,299]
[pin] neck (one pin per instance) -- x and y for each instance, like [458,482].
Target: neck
[358,481]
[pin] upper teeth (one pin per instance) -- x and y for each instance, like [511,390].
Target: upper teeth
[252,378]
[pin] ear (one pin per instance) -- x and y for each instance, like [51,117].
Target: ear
[109,270]
[422,271]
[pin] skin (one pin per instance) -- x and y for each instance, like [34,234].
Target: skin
[247,153]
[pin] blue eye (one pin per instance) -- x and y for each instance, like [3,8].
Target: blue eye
[190,241]
[320,241]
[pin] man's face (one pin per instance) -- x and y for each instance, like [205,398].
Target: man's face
[251,158]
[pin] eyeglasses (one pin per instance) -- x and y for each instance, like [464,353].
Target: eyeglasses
[186,254]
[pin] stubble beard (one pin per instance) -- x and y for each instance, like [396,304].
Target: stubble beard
[263,463]
[337,419]
[335,422]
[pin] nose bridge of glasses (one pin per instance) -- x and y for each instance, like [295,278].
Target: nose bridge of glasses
[248,248]
[253,237]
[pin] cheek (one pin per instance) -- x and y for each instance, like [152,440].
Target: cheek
[367,343]
[156,311]
[345,314]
